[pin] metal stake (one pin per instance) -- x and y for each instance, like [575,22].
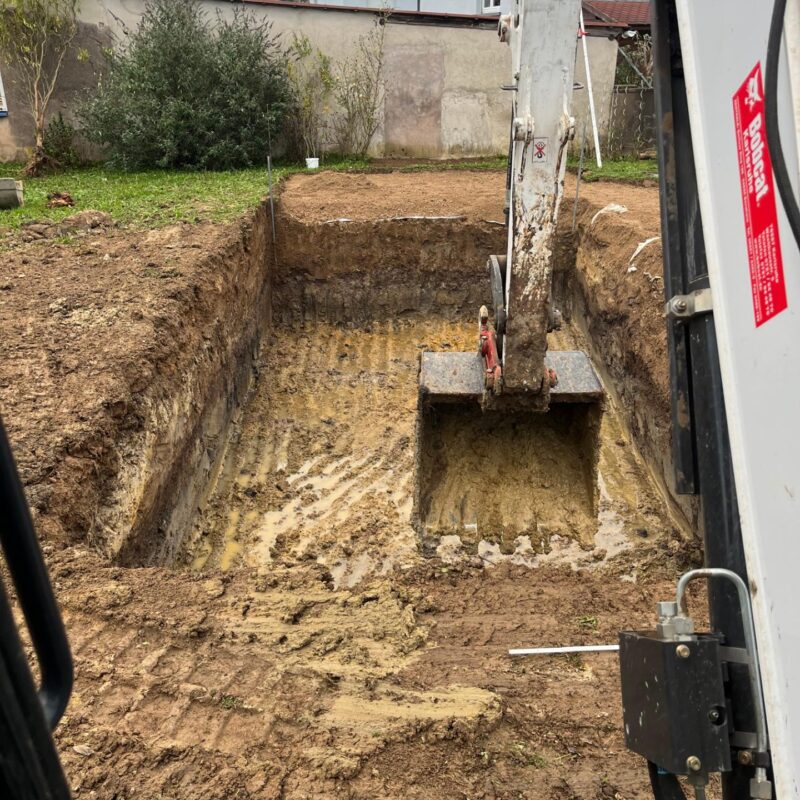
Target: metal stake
[271,202]
[580,175]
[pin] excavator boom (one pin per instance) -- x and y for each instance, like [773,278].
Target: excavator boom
[543,36]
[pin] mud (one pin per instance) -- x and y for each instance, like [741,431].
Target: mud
[320,465]
[291,641]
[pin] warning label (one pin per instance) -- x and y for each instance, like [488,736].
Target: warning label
[540,151]
[758,200]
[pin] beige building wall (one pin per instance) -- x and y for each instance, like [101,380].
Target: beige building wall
[443,97]
[603,69]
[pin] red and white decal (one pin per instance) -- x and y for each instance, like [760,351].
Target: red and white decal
[758,199]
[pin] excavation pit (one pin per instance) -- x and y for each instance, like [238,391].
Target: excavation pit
[264,679]
[329,457]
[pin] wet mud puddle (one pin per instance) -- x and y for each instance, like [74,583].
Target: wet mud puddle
[320,465]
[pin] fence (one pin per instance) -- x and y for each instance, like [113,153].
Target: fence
[631,129]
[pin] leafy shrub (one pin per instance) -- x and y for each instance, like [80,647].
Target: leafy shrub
[185,93]
[59,142]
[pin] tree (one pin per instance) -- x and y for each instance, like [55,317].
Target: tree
[182,93]
[312,81]
[359,91]
[35,36]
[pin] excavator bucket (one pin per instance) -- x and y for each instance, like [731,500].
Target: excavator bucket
[499,469]
[460,377]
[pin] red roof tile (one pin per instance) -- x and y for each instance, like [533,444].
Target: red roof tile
[630,13]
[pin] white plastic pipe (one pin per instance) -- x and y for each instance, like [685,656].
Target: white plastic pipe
[552,651]
[592,114]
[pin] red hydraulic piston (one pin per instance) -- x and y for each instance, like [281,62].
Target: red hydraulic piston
[493,371]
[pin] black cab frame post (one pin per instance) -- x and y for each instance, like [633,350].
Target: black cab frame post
[29,765]
[701,448]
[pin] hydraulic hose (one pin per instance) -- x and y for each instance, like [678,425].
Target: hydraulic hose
[781,172]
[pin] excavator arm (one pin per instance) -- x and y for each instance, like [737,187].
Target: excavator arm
[542,35]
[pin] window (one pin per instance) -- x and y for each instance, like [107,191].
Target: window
[491,6]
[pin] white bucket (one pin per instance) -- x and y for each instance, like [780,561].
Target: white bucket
[312,163]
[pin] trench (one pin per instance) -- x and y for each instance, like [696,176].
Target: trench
[309,451]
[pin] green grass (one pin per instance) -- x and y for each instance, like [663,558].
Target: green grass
[229,701]
[152,198]
[627,170]
[493,163]
[588,623]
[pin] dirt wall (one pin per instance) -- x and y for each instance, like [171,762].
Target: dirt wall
[609,280]
[123,355]
[185,446]
[357,271]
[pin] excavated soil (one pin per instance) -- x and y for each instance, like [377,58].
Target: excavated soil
[115,354]
[282,635]
[333,195]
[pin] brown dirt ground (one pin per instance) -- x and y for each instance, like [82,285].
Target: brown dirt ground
[289,675]
[475,194]
[85,329]
[335,195]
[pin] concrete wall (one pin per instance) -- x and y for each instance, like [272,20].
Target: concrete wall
[442,99]
[443,95]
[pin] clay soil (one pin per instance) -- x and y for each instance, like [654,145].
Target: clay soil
[332,195]
[300,645]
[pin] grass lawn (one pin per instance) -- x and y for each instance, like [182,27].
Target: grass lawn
[149,199]
[627,170]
